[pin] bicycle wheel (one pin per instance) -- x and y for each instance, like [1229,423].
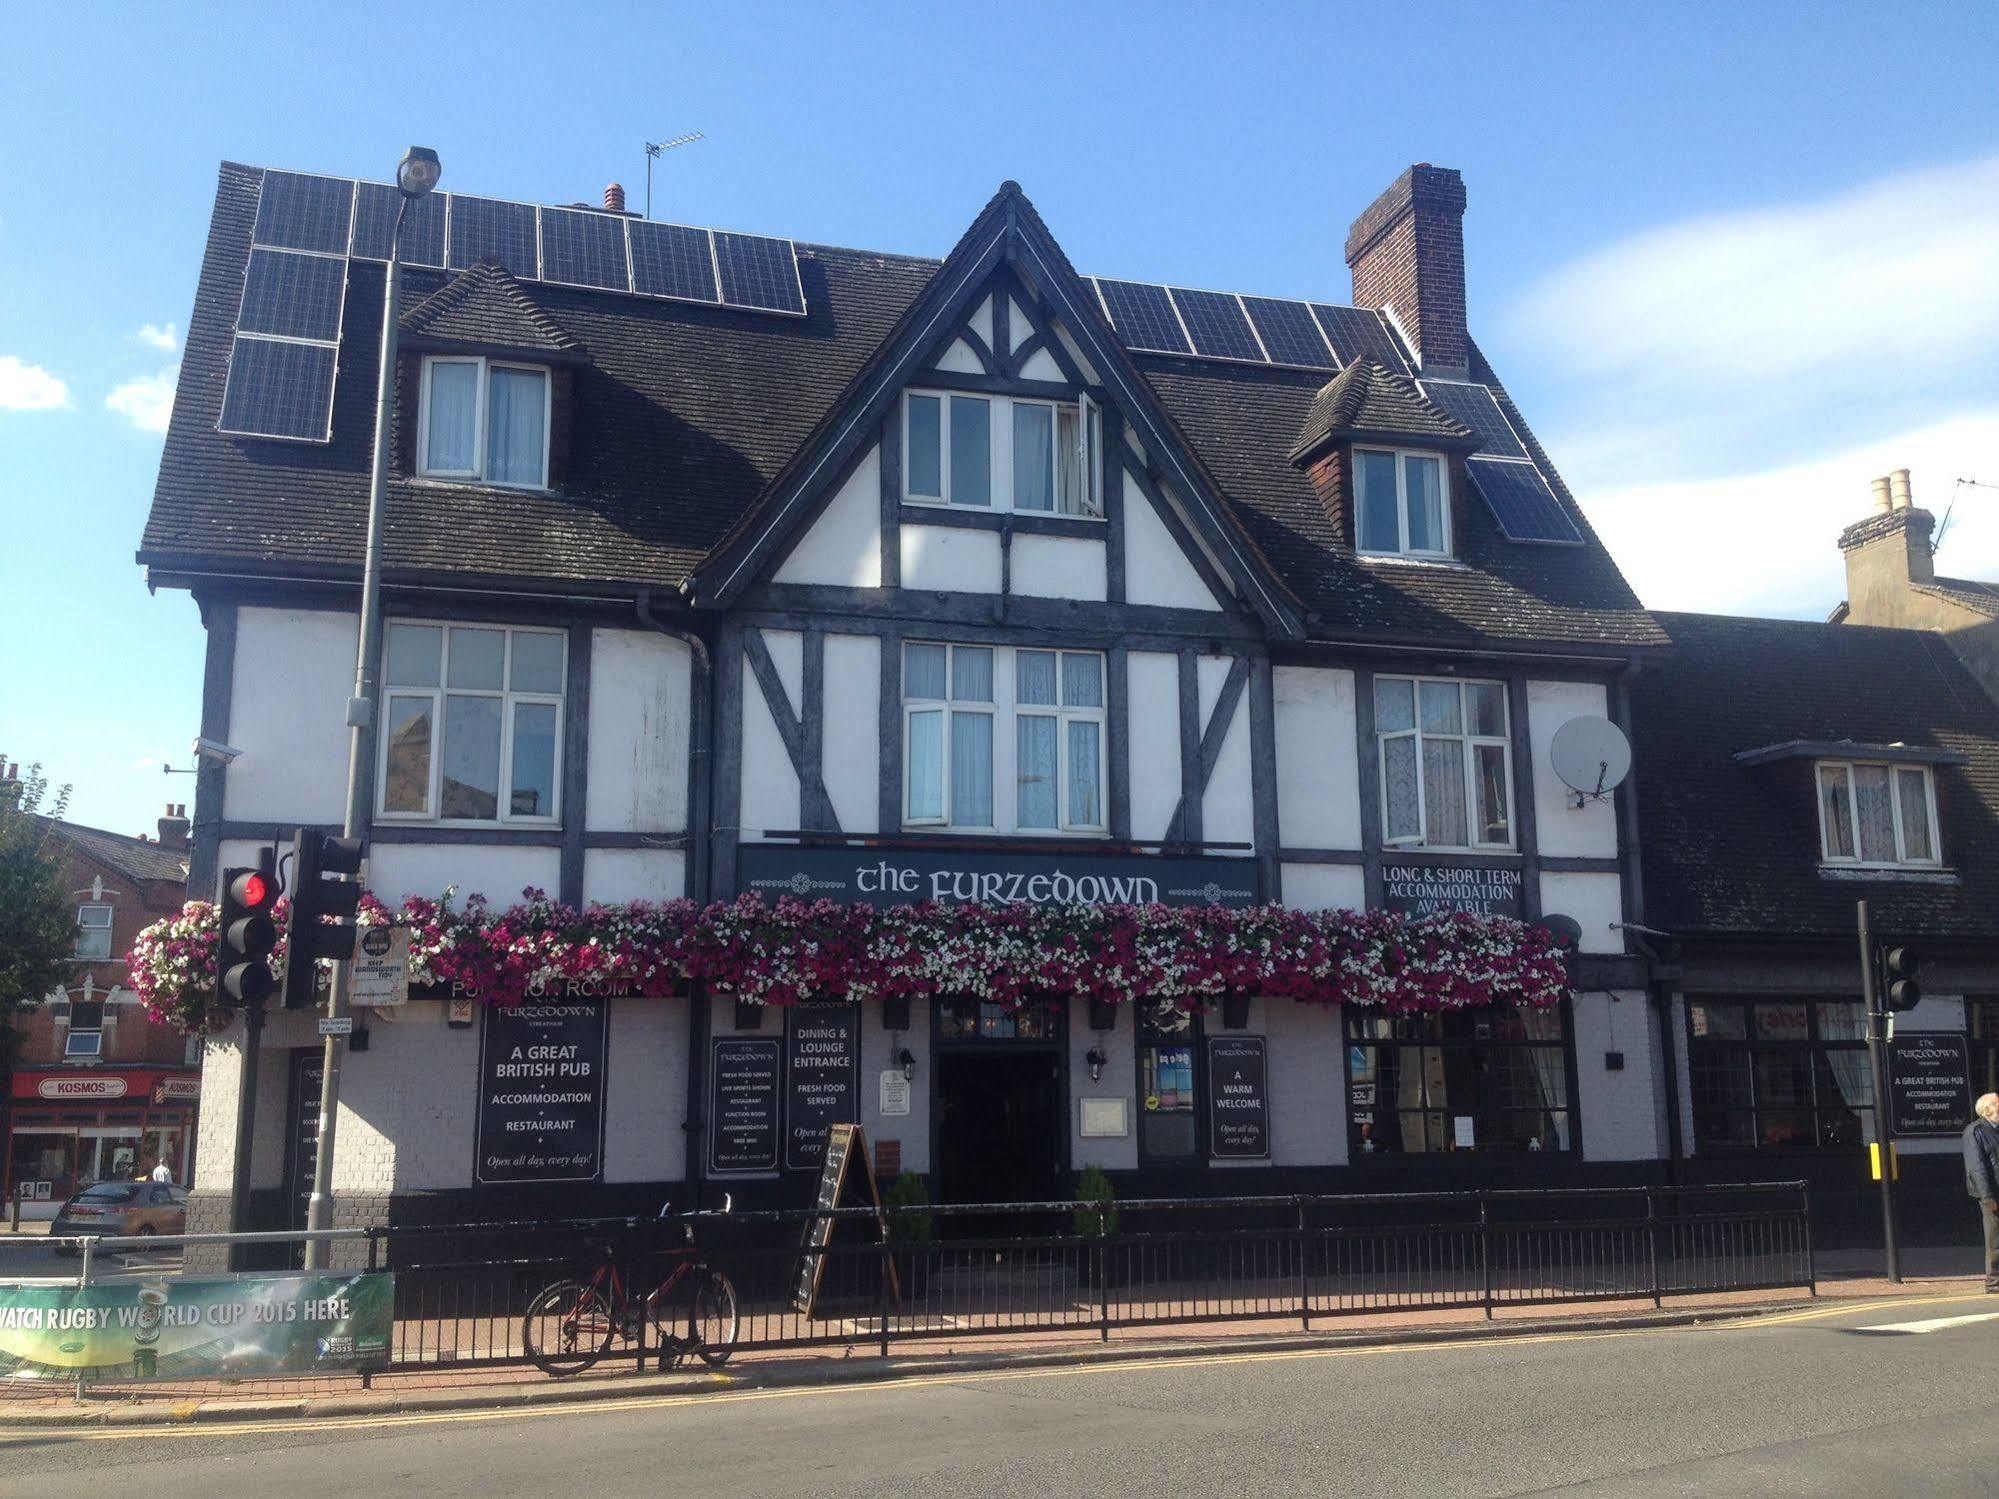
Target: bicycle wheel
[712,1318]
[567,1328]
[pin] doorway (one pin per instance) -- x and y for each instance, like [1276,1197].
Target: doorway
[1001,1131]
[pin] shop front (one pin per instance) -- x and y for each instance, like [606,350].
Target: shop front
[69,1127]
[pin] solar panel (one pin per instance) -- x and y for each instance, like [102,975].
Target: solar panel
[483,227]
[278,389]
[584,249]
[1289,334]
[375,220]
[1521,501]
[758,272]
[1143,316]
[1475,407]
[1357,333]
[292,295]
[672,260]
[1216,323]
[299,212]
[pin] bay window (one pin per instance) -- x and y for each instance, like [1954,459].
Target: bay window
[484,420]
[1401,503]
[978,719]
[471,724]
[1490,1081]
[1446,757]
[1879,815]
[1048,459]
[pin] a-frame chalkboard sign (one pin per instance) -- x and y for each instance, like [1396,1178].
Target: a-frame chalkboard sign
[843,1143]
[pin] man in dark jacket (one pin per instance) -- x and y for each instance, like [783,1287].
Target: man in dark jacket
[1981,1179]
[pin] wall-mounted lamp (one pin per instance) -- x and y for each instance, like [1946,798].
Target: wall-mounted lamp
[1096,1059]
[908,1060]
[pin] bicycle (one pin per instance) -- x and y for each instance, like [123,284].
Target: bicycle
[570,1324]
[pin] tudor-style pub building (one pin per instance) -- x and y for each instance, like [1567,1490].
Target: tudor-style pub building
[720,565]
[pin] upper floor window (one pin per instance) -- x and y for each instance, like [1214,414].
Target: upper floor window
[977,719]
[1402,503]
[471,727]
[1446,762]
[485,420]
[1003,452]
[93,931]
[1882,815]
[86,1029]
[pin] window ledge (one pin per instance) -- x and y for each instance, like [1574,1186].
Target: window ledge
[470,481]
[1397,559]
[1858,872]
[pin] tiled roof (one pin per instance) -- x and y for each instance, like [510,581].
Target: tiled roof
[486,307]
[1734,848]
[135,858]
[1982,597]
[684,415]
[1367,401]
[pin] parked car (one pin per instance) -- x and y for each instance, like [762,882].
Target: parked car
[129,1209]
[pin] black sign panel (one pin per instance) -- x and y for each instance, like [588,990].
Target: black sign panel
[822,1057]
[541,1093]
[951,877]
[743,1086]
[1238,1100]
[1929,1083]
[308,1081]
[1418,887]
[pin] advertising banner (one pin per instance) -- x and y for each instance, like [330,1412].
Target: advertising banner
[223,1327]
[745,1081]
[1929,1083]
[541,1093]
[1421,887]
[1239,1102]
[954,877]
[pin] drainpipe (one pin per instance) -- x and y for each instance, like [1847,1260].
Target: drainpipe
[1660,990]
[700,790]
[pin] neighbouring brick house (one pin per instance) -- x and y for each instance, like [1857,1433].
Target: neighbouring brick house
[99,1089]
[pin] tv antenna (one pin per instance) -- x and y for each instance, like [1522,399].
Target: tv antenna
[653,150]
[1936,541]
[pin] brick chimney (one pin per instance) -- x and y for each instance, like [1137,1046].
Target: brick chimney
[1887,552]
[1407,252]
[174,827]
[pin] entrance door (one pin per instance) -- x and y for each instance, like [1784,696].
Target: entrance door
[1000,1125]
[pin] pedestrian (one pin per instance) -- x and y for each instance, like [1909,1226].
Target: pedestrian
[1981,1179]
[162,1172]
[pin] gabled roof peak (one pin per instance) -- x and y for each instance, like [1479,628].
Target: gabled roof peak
[486,307]
[1366,400]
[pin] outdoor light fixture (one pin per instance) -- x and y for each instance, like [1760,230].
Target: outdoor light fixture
[418,171]
[1096,1059]
[908,1060]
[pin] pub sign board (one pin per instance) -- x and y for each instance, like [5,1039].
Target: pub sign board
[541,1093]
[1419,887]
[1929,1083]
[822,1063]
[744,1075]
[1238,1099]
[953,877]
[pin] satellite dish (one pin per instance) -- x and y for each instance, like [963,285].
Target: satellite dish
[1566,930]
[1592,757]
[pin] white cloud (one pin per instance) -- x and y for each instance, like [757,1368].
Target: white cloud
[147,402]
[29,387]
[160,336]
[1764,542]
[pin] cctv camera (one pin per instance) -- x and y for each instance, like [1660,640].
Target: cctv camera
[215,749]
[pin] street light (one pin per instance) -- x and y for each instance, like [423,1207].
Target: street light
[416,175]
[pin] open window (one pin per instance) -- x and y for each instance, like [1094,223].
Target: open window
[1003,453]
[1879,816]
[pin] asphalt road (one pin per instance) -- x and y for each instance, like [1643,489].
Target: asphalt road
[1793,1403]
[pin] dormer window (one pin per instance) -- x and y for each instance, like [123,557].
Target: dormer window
[1877,815]
[484,420]
[1401,504]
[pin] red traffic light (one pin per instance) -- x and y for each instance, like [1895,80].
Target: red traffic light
[252,890]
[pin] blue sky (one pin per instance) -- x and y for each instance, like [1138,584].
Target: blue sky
[1734,261]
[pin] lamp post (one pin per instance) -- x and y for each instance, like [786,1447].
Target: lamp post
[416,175]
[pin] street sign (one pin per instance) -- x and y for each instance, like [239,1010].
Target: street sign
[381,973]
[341,1025]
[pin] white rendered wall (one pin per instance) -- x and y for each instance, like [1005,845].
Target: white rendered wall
[645,1091]
[950,559]
[1562,829]
[843,546]
[1041,365]
[770,795]
[1120,1080]
[293,674]
[614,875]
[1619,1111]
[879,1047]
[850,743]
[1318,762]
[1058,567]
[640,683]
[1156,571]
[500,873]
[1324,887]
[1228,810]
[1595,900]
[1020,329]
[1154,692]
[981,320]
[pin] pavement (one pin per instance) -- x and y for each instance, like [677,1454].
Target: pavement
[1887,1395]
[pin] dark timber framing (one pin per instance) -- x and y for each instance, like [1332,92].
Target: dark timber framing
[801,733]
[1201,748]
[575,762]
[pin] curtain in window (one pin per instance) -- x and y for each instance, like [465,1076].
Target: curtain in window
[1398,768]
[1083,681]
[1877,814]
[1033,458]
[515,426]
[1068,458]
[1034,677]
[1847,1022]
[1380,529]
[1913,788]
[1835,813]
[1551,1074]
[454,398]
[926,766]
[1426,506]
[972,674]
[1085,803]
[972,770]
[1492,819]
[923,671]
[1036,771]
[1444,792]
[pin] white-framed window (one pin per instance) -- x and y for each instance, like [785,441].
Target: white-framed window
[998,738]
[1446,762]
[484,419]
[1402,503]
[1003,453]
[1878,815]
[471,725]
[93,931]
[86,1029]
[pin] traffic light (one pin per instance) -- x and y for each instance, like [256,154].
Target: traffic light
[1899,966]
[319,893]
[249,896]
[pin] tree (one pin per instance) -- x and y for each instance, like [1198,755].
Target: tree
[37,935]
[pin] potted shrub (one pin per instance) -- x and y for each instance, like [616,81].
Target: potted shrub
[1095,1218]
[910,1226]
